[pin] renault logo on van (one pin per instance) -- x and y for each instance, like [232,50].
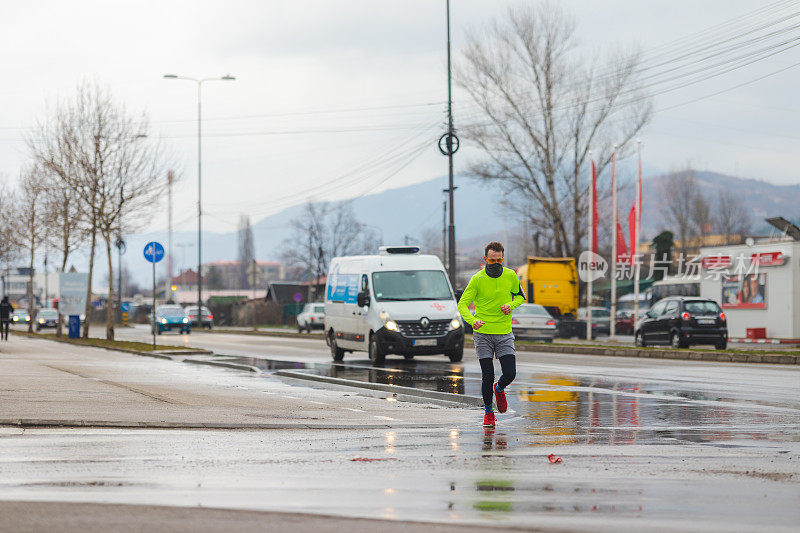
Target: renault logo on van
[424,322]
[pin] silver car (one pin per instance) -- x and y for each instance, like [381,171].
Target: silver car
[532,321]
[312,317]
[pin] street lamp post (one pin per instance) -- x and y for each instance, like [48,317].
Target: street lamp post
[199,82]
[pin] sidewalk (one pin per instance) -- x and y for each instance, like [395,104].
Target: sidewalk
[44,383]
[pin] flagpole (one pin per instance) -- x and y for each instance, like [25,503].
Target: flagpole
[637,267]
[614,223]
[590,239]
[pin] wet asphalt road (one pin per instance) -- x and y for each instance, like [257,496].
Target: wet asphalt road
[660,444]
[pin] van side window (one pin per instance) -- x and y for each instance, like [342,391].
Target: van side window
[671,309]
[364,282]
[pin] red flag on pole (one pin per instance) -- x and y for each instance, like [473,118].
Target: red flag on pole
[622,249]
[595,217]
[635,214]
[632,228]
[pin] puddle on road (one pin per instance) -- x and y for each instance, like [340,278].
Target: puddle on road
[564,409]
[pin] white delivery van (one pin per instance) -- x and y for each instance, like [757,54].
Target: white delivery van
[396,302]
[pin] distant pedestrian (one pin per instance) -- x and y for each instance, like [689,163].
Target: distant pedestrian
[496,292]
[5,317]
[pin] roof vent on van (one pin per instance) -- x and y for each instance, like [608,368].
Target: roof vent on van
[386,250]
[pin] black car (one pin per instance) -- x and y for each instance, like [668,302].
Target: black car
[681,321]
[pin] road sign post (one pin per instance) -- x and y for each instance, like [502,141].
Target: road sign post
[154,252]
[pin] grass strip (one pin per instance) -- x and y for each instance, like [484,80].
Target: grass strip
[105,343]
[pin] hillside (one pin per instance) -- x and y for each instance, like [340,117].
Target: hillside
[413,209]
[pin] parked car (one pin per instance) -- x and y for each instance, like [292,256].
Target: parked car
[626,321]
[682,321]
[601,320]
[20,316]
[205,318]
[311,317]
[532,321]
[46,318]
[169,317]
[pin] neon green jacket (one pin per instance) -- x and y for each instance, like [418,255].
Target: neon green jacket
[489,294]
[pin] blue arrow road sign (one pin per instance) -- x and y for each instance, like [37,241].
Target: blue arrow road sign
[153,252]
[125,307]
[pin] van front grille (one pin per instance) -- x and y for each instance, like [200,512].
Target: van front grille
[413,328]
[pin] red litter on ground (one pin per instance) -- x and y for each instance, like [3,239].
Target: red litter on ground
[370,459]
[553,459]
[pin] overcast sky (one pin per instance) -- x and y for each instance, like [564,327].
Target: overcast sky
[326,89]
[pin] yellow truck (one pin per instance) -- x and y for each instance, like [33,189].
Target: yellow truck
[551,282]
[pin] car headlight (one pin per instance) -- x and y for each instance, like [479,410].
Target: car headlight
[41,321]
[16,318]
[391,325]
[27,317]
[455,323]
[163,320]
[185,320]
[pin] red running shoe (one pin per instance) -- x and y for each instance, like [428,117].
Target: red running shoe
[488,420]
[500,397]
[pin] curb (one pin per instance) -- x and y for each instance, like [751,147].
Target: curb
[285,334]
[611,351]
[224,364]
[112,424]
[472,401]
[655,353]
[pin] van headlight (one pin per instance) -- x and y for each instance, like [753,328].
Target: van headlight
[455,323]
[163,320]
[185,320]
[391,325]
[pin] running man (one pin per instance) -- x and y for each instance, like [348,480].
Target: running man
[496,292]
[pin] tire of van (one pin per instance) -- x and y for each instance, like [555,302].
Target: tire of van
[375,354]
[721,345]
[336,353]
[456,355]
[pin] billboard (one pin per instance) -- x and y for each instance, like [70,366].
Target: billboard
[72,290]
[748,291]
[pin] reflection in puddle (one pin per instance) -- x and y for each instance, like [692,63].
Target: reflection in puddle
[564,409]
[497,495]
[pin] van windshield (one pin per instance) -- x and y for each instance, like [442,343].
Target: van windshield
[411,285]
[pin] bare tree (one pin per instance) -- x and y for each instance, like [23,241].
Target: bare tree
[99,151]
[679,196]
[9,223]
[64,216]
[246,250]
[701,214]
[541,109]
[732,217]
[322,232]
[32,229]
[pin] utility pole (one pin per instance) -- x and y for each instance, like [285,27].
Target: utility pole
[448,145]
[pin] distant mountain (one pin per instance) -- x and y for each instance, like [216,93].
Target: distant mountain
[762,198]
[412,209]
[395,213]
